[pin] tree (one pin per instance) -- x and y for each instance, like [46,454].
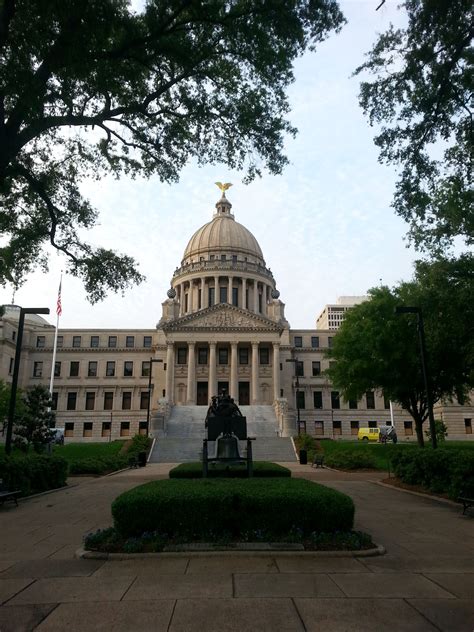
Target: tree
[377,349]
[422,97]
[33,425]
[5,393]
[90,88]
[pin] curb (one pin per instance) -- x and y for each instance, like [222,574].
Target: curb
[213,552]
[439,499]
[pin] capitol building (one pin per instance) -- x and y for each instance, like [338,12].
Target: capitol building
[222,328]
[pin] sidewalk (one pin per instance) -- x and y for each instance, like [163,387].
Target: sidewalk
[424,583]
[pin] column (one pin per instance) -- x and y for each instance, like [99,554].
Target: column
[254,395]
[216,290]
[244,293]
[276,370]
[191,397]
[204,302]
[212,384]
[229,291]
[169,372]
[234,386]
[196,296]
[255,296]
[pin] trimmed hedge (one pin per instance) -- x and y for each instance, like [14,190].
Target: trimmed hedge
[260,469]
[101,464]
[351,460]
[211,509]
[33,473]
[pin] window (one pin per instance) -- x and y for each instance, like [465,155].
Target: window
[211,257]
[202,355]
[264,355]
[90,400]
[298,341]
[354,427]
[222,295]
[408,427]
[92,369]
[182,353]
[318,399]
[108,400]
[76,342]
[330,342]
[468,426]
[147,342]
[87,429]
[13,335]
[211,293]
[38,369]
[69,429]
[40,342]
[71,401]
[125,429]
[319,428]
[146,368]
[130,342]
[315,342]
[223,257]
[54,401]
[300,400]
[260,303]
[10,368]
[142,427]
[94,341]
[353,404]
[59,342]
[110,368]
[74,369]
[316,365]
[335,401]
[223,355]
[299,368]
[126,400]
[106,429]
[372,424]
[128,368]
[234,258]
[337,427]
[243,355]
[370,398]
[144,400]
[199,299]
[112,342]
[57,369]
[235,296]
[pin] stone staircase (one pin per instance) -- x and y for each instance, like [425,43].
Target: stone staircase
[185,432]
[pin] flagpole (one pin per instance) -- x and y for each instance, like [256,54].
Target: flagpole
[58,314]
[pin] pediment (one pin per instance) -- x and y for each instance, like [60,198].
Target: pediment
[223,317]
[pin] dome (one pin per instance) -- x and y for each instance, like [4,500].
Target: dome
[12,312]
[223,235]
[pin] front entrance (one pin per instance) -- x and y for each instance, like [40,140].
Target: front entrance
[202,398]
[244,393]
[222,386]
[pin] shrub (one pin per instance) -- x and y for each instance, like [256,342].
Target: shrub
[33,473]
[212,509]
[98,465]
[139,443]
[260,469]
[351,460]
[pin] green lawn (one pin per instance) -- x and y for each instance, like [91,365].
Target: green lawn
[75,451]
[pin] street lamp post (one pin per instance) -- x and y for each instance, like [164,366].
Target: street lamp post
[295,361]
[16,370]
[149,394]
[421,335]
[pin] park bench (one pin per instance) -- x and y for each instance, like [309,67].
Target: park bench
[318,460]
[466,497]
[133,462]
[8,494]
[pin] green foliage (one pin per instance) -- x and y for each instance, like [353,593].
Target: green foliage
[147,90]
[441,431]
[421,94]
[97,466]
[100,458]
[33,473]
[33,424]
[74,451]
[210,509]
[261,469]
[356,459]
[139,443]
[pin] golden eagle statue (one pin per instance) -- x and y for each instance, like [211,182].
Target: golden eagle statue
[224,187]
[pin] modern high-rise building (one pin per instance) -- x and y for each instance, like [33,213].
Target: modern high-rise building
[332,315]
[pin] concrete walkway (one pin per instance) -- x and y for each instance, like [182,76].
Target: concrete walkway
[424,583]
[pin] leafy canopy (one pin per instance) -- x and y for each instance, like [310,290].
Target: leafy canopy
[421,95]
[33,425]
[92,88]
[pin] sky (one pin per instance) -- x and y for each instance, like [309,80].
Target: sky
[325,225]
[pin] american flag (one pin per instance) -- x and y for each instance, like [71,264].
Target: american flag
[59,308]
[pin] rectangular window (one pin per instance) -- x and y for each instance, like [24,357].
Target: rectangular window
[90,400]
[211,257]
[146,368]
[234,258]
[319,428]
[10,368]
[260,303]
[316,365]
[235,296]
[222,295]
[335,401]
[408,427]
[354,427]
[147,342]
[318,399]
[223,257]
[264,355]
[71,401]
[199,299]
[130,342]
[108,400]
[74,369]
[243,355]
[94,342]
[142,427]
[128,368]
[106,429]
[69,429]
[126,400]
[211,292]
[125,429]
[186,299]
[76,342]
[300,400]
[110,368]
[299,368]
[92,369]
[372,424]
[353,404]
[38,369]
[57,369]
[330,342]
[202,355]
[144,400]
[315,342]
[182,355]
[223,355]
[87,429]
[468,426]
[112,342]
[298,341]
[59,342]
[54,401]
[40,342]
[370,398]
[337,427]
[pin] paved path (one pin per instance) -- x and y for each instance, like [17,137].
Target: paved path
[424,583]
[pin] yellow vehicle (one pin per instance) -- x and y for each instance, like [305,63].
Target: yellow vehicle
[368,434]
